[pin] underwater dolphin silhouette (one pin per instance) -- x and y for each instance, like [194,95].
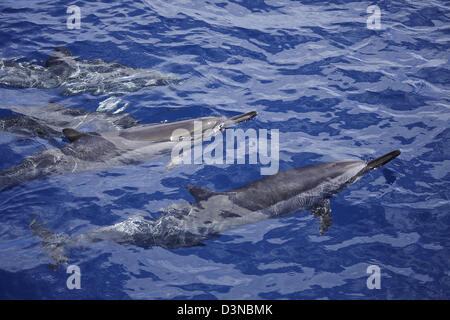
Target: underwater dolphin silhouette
[212,213]
[74,76]
[124,144]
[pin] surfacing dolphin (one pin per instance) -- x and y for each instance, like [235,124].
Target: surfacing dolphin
[74,76]
[90,151]
[212,213]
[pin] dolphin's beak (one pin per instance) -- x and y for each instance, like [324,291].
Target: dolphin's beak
[242,117]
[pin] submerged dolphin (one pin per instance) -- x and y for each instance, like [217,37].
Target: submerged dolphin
[88,151]
[212,213]
[74,76]
[48,121]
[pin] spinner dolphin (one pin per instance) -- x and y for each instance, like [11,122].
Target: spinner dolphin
[75,76]
[123,143]
[212,213]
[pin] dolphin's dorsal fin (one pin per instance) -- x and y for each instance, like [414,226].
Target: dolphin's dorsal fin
[57,55]
[73,134]
[200,193]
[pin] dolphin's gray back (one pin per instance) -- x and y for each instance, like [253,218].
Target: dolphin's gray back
[167,131]
[26,75]
[152,133]
[57,117]
[87,153]
[93,148]
[324,179]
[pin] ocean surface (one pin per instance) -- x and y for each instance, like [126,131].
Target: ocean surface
[333,86]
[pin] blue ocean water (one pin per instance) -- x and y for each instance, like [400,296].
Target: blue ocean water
[334,89]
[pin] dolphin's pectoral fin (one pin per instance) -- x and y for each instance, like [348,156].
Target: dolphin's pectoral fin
[322,211]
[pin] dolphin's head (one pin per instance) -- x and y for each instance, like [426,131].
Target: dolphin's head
[208,126]
[240,118]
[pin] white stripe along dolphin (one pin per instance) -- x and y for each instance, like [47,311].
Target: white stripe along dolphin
[212,213]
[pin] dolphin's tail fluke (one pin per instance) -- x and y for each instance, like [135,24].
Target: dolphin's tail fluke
[53,244]
[378,162]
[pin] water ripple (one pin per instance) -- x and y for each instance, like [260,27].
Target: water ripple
[332,87]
